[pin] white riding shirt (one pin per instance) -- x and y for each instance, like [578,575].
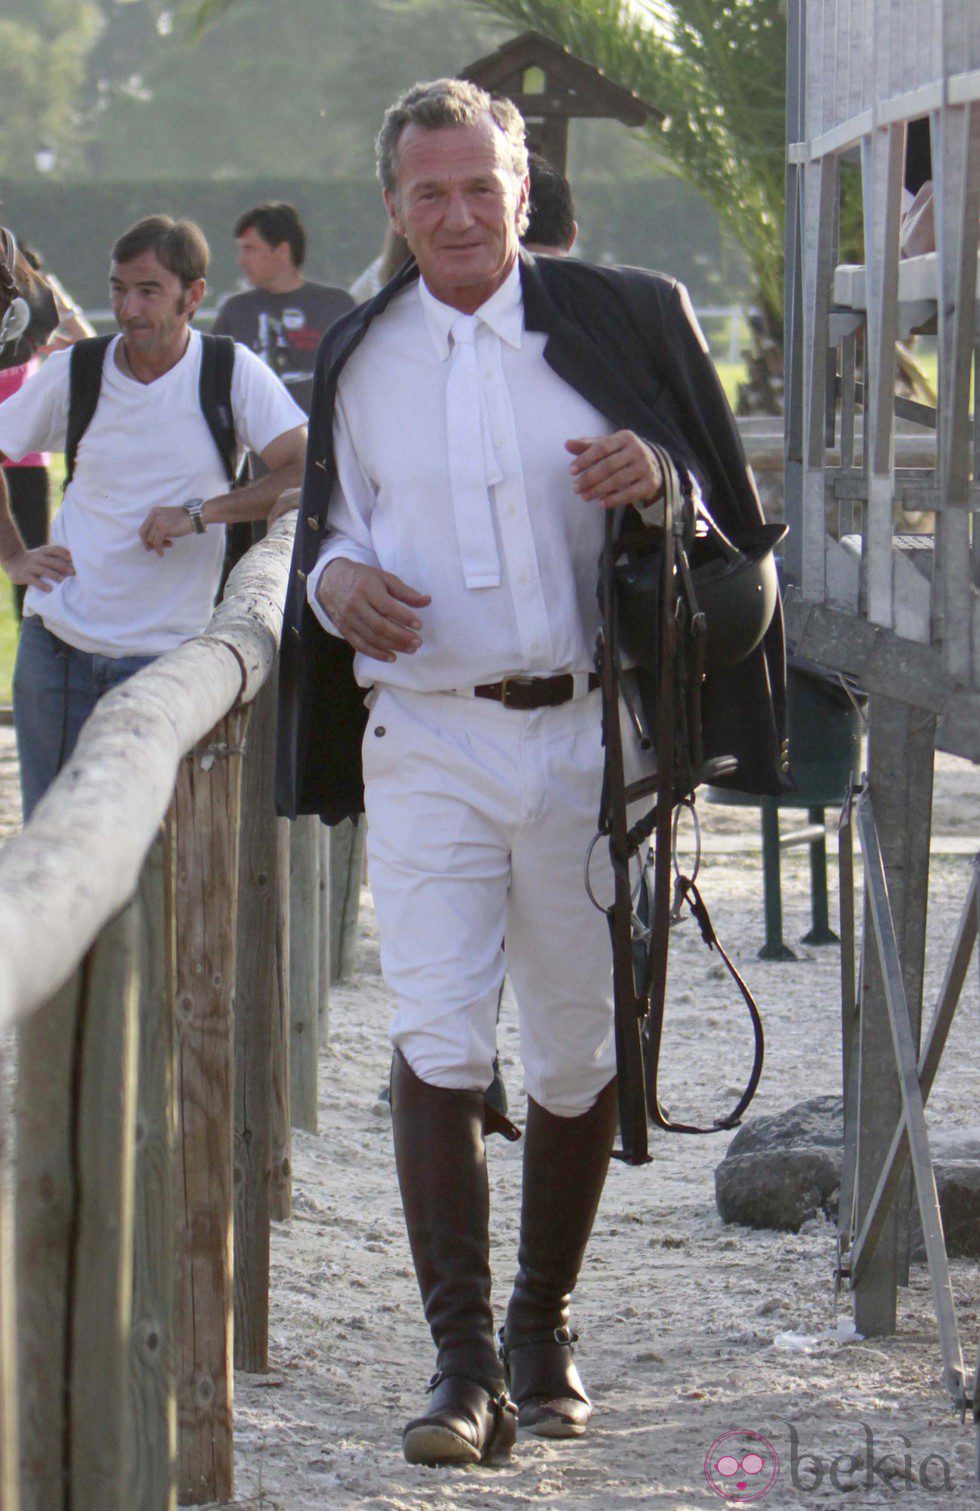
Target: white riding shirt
[411,483]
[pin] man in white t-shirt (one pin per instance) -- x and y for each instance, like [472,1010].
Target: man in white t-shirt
[136,550]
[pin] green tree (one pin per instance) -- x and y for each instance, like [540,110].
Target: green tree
[44,51]
[294,88]
[717,67]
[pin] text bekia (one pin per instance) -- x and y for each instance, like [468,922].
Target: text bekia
[851,1471]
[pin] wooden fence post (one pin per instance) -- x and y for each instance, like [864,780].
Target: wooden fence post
[346,870]
[254,1013]
[153,1383]
[324,937]
[101,1288]
[9,1408]
[76,1113]
[206,806]
[281,1135]
[304,969]
[45,1207]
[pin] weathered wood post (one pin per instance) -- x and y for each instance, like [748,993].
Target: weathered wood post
[254,1018]
[45,1185]
[281,1179]
[283,841]
[101,1264]
[324,936]
[206,808]
[304,969]
[153,1357]
[346,870]
[76,1113]
[9,1412]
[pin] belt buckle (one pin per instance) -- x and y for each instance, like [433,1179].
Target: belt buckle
[519,679]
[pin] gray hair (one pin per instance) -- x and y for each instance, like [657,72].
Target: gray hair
[449,102]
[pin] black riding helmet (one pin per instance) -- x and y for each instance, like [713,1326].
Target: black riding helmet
[735,588]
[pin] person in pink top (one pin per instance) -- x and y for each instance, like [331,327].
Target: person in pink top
[27,480]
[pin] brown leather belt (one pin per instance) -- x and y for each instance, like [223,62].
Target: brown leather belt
[527,693]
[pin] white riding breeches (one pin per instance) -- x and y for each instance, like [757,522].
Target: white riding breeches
[479,820]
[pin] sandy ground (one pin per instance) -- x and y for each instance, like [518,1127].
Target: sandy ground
[689,1330]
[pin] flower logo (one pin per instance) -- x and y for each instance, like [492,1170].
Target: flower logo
[741,1466]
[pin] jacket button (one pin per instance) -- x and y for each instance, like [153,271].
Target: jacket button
[300,574]
[313,522]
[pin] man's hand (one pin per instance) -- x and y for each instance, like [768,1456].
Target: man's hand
[286,501]
[163,525]
[616,469]
[41,568]
[372,609]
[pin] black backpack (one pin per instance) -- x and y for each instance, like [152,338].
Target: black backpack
[85,386]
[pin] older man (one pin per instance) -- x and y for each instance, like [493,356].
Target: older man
[469,427]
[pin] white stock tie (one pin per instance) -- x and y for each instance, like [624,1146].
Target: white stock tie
[473,465]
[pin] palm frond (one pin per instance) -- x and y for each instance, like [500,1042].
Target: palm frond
[717,68]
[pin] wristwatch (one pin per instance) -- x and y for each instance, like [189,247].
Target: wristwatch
[192,509]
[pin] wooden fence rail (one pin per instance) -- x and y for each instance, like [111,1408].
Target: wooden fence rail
[145,945]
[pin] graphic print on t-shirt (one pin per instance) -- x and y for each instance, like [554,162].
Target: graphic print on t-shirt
[284,329]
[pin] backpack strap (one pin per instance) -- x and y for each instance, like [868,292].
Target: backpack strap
[84,386]
[217,367]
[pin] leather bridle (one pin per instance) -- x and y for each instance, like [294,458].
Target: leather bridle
[640,919]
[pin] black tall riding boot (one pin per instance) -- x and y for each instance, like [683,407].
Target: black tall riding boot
[565,1164]
[442,1171]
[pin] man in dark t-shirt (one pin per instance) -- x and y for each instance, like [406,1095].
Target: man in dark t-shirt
[283,316]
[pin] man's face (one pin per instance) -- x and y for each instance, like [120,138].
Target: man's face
[262,263]
[150,304]
[457,202]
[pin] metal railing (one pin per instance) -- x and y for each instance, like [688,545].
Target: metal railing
[897,612]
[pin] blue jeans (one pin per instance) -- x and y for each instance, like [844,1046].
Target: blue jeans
[55,689]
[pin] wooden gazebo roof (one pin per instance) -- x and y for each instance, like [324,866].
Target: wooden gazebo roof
[573,89]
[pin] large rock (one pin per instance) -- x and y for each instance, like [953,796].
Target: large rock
[784,1169]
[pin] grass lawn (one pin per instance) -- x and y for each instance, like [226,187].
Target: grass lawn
[8,641]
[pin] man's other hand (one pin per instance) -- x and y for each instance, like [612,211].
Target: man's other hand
[41,568]
[163,525]
[286,501]
[372,609]
[616,469]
